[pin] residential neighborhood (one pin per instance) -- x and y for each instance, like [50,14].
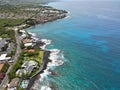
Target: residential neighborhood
[15,72]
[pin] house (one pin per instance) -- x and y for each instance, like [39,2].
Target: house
[1,66]
[29,63]
[23,32]
[4,58]
[20,72]
[31,50]
[28,44]
[3,43]
[10,47]
[27,41]
[13,84]
[2,75]
[27,68]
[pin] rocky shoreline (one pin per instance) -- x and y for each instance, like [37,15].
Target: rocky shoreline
[48,61]
[44,66]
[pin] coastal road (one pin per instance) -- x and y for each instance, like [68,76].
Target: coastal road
[18,51]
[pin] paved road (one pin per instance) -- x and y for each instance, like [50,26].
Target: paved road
[18,51]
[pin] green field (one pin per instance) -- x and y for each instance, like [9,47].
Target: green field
[11,22]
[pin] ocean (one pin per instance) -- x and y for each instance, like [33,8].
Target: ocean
[89,39]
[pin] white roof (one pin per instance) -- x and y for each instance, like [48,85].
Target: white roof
[28,44]
[23,31]
[3,57]
[7,58]
[24,35]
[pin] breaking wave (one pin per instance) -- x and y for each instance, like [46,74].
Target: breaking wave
[56,59]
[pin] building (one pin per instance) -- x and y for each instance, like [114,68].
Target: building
[29,63]
[1,66]
[27,41]
[27,68]
[10,47]
[3,43]
[2,75]
[31,50]
[28,44]
[13,84]
[4,57]
[24,33]
[20,72]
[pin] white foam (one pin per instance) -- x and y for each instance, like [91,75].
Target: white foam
[55,57]
[45,88]
[32,34]
[55,63]
[56,60]
[46,42]
[45,74]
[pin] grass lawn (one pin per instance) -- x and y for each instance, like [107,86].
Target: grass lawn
[38,58]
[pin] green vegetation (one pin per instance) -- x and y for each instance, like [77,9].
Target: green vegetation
[40,56]
[4,33]
[5,68]
[5,88]
[12,52]
[26,56]
[31,22]
[37,55]
[19,88]
[11,22]
[12,73]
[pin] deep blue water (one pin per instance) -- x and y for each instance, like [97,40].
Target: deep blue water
[90,41]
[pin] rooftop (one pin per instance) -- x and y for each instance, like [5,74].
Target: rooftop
[29,63]
[1,66]
[28,44]
[14,83]
[2,75]
[27,41]
[3,57]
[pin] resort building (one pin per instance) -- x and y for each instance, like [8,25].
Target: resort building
[13,84]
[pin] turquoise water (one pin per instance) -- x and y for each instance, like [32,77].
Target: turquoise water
[90,41]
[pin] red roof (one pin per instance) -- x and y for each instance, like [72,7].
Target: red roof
[31,50]
[2,75]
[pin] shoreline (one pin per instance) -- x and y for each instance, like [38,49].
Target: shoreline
[48,61]
[44,66]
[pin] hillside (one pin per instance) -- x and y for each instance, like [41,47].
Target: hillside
[17,2]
